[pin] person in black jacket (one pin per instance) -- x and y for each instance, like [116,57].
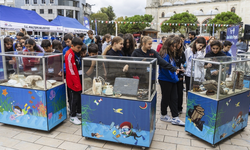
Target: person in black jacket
[180,59]
[146,51]
[98,42]
[212,71]
[128,45]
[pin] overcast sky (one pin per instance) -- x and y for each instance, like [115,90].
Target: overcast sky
[121,7]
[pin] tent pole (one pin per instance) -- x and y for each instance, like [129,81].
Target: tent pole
[116,29]
[0,32]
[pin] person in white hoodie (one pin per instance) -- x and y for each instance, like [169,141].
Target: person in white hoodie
[196,51]
[106,40]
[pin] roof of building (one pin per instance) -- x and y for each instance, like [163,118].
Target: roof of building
[167,4]
[191,2]
[198,13]
[178,3]
[213,12]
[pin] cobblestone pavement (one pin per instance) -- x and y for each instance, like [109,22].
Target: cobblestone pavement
[68,136]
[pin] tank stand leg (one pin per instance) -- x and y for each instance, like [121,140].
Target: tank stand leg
[242,129]
[143,148]
[214,146]
[86,138]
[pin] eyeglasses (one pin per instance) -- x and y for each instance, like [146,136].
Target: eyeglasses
[125,129]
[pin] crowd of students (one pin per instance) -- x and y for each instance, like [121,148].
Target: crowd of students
[174,58]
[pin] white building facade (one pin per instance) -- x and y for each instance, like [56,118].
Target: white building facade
[204,10]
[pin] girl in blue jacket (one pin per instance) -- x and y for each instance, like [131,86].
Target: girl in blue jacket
[168,82]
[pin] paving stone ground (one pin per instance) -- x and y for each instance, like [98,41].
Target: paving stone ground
[68,136]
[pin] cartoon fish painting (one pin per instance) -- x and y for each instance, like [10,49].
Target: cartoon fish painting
[233,126]
[31,101]
[118,110]
[52,95]
[96,135]
[100,100]
[112,125]
[223,135]
[96,102]
[32,97]
[114,132]
[33,106]
[238,104]
[227,103]
[189,120]
[30,92]
[118,135]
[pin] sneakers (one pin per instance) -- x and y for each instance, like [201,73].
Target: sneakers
[166,118]
[75,120]
[177,121]
[78,115]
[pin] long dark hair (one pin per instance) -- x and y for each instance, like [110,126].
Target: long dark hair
[98,39]
[166,48]
[32,42]
[57,45]
[216,43]
[128,51]
[180,50]
[200,40]
[7,40]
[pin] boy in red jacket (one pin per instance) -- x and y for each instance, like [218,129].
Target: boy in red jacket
[163,39]
[73,64]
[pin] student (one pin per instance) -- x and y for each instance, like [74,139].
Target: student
[115,49]
[196,51]
[46,45]
[226,48]
[106,40]
[19,35]
[98,42]
[81,36]
[22,41]
[168,82]
[183,40]
[8,47]
[208,48]
[180,60]
[90,39]
[24,32]
[83,52]
[73,64]
[31,65]
[163,39]
[129,45]
[192,37]
[241,46]
[146,51]
[68,40]
[19,48]
[93,50]
[57,46]
[212,71]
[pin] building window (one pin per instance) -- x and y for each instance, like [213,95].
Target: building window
[69,13]
[75,4]
[162,14]
[50,20]
[50,11]
[51,1]
[233,9]
[33,9]
[27,1]
[60,12]
[41,11]
[77,15]
[201,10]
[216,9]
[43,2]
[174,12]
[187,11]
[34,1]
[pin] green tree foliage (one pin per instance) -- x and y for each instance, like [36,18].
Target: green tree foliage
[224,18]
[182,19]
[101,27]
[111,17]
[136,23]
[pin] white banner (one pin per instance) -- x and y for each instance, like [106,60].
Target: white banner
[30,27]
[74,30]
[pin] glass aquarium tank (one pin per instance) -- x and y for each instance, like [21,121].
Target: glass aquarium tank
[31,70]
[218,77]
[120,77]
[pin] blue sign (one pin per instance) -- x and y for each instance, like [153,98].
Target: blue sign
[232,36]
[86,22]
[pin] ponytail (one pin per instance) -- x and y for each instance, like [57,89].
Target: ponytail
[105,37]
[106,50]
[144,40]
[116,39]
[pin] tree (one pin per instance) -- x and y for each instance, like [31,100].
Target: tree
[224,18]
[136,23]
[180,19]
[111,16]
[101,26]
